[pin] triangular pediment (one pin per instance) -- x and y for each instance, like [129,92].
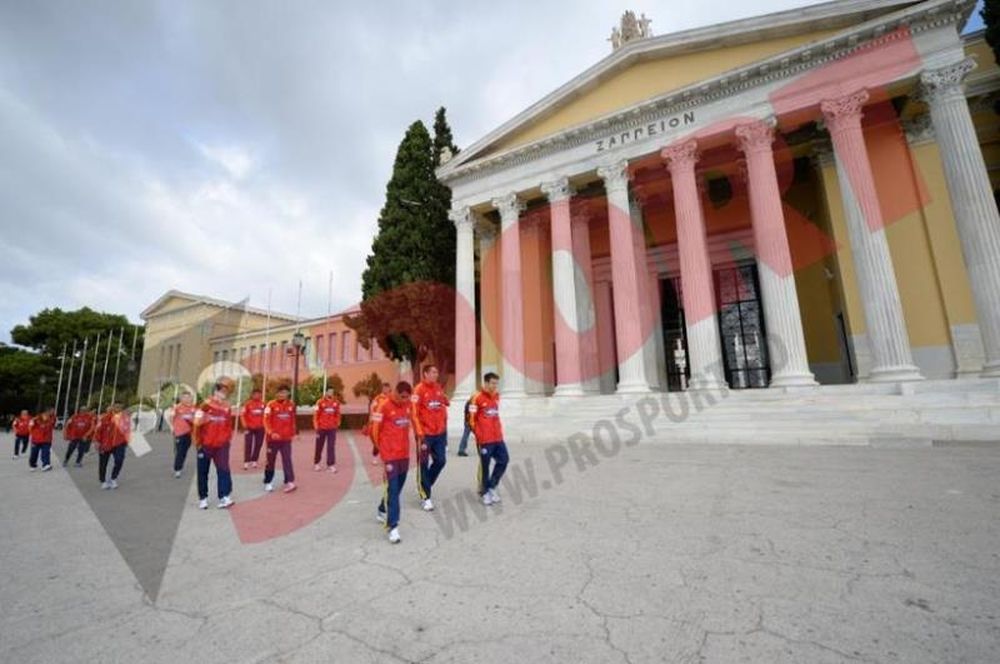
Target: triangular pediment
[656,66]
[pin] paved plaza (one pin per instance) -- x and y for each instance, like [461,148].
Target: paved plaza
[658,553]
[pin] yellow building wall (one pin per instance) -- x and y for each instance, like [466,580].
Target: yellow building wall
[489,308]
[647,79]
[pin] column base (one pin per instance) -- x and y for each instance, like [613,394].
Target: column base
[705,383]
[990,370]
[633,388]
[514,394]
[570,390]
[906,372]
[793,380]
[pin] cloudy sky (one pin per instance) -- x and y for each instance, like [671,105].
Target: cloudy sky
[230,147]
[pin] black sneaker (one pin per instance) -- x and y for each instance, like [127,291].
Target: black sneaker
[463,454]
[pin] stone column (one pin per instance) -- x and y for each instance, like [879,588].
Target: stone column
[785,339]
[512,309]
[585,305]
[653,342]
[890,344]
[569,379]
[704,345]
[465,303]
[628,291]
[971,198]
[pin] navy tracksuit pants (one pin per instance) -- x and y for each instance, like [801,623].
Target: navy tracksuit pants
[497,454]
[431,462]
[395,478]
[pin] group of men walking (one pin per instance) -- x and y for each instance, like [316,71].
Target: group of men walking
[111,431]
[398,416]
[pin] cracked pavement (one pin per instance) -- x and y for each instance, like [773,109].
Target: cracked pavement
[664,553]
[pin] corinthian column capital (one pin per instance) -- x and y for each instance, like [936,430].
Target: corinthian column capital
[683,155]
[510,207]
[844,112]
[936,83]
[557,190]
[615,175]
[462,217]
[755,137]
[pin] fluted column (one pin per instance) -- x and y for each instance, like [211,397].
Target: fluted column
[704,345]
[785,339]
[629,332]
[585,302]
[971,198]
[569,380]
[890,344]
[653,339]
[512,308]
[465,302]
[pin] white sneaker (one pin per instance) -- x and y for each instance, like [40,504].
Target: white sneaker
[177,473]
[203,504]
[333,469]
[394,537]
[494,495]
[114,484]
[105,485]
[487,498]
[374,462]
[46,468]
[246,465]
[428,505]
[269,487]
[380,516]
[226,502]
[32,469]
[317,467]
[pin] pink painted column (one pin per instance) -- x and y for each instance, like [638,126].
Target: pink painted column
[585,305]
[512,308]
[785,339]
[704,346]
[465,304]
[890,344]
[569,379]
[628,290]
[607,353]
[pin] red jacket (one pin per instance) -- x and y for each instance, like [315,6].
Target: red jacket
[79,427]
[183,419]
[41,430]
[214,419]
[279,420]
[391,430]
[327,414]
[252,415]
[430,408]
[484,417]
[113,430]
[22,425]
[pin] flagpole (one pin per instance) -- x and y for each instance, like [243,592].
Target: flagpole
[329,307]
[69,384]
[267,347]
[104,373]
[131,359]
[93,370]
[83,365]
[62,363]
[118,361]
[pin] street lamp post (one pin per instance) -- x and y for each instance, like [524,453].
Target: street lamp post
[298,342]
[41,387]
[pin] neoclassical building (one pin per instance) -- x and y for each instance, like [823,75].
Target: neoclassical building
[790,200]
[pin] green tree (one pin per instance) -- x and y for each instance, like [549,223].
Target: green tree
[442,138]
[415,244]
[369,387]
[311,389]
[19,384]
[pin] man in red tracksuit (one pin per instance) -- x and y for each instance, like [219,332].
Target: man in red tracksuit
[78,431]
[22,433]
[326,421]
[41,429]
[430,418]
[391,431]
[279,425]
[484,417]
[212,435]
[374,406]
[113,432]
[252,420]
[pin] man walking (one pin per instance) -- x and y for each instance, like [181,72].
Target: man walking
[391,431]
[41,429]
[375,405]
[114,430]
[279,425]
[182,423]
[430,418]
[252,420]
[484,416]
[22,432]
[326,421]
[78,431]
[212,434]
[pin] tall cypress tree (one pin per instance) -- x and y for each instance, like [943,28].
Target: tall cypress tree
[407,302]
[442,136]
